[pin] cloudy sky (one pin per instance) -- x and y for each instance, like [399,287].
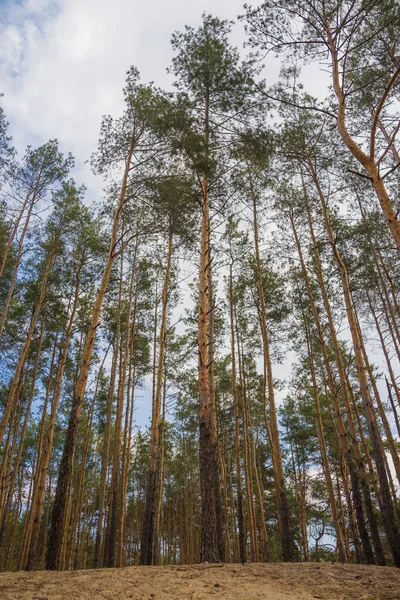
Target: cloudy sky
[63,62]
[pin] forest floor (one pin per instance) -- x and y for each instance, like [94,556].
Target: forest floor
[238,582]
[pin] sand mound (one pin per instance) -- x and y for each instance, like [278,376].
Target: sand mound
[236,582]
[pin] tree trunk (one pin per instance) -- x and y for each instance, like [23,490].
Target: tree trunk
[385,499]
[269,398]
[150,516]
[211,514]
[251,518]
[105,458]
[16,225]
[55,538]
[343,555]
[360,475]
[242,542]
[367,161]
[27,533]
[112,552]
[160,469]
[17,460]
[43,464]
[353,457]
[28,339]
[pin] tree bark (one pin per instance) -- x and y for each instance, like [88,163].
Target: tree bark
[239,494]
[55,538]
[385,499]
[150,517]
[269,398]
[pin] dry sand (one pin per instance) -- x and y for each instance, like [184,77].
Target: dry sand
[236,582]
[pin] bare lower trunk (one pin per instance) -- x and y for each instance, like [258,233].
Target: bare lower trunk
[150,516]
[105,459]
[28,527]
[385,500]
[17,462]
[27,344]
[239,494]
[348,449]
[343,555]
[111,552]
[43,465]
[55,538]
[160,470]
[251,518]
[357,472]
[271,420]
[208,453]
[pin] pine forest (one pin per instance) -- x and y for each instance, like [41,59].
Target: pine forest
[203,364]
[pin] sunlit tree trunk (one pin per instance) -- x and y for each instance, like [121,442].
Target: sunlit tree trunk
[358,470]
[43,463]
[55,538]
[368,161]
[385,499]
[16,465]
[27,344]
[27,533]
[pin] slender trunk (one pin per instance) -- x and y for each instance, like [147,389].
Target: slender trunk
[7,460]
[98,554]
[160,469]
[43,465]
[66,465]
[269,399]
[385,351]
[16,225]
[260,493]
[10,441]
[26,537]
[130,337]
[17,461]
[385,499]
[247,462]
[16,266]
[357,472]
[150,516]
[28,339]
[392,404]
[348,449]
[386,426]
[343,555]
[390,280]
[242,543]
[113,522]
[211,359]
[382,289]
[211,515]
[224,495]
[76,521]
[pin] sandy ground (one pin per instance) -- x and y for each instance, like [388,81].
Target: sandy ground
[236,582]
